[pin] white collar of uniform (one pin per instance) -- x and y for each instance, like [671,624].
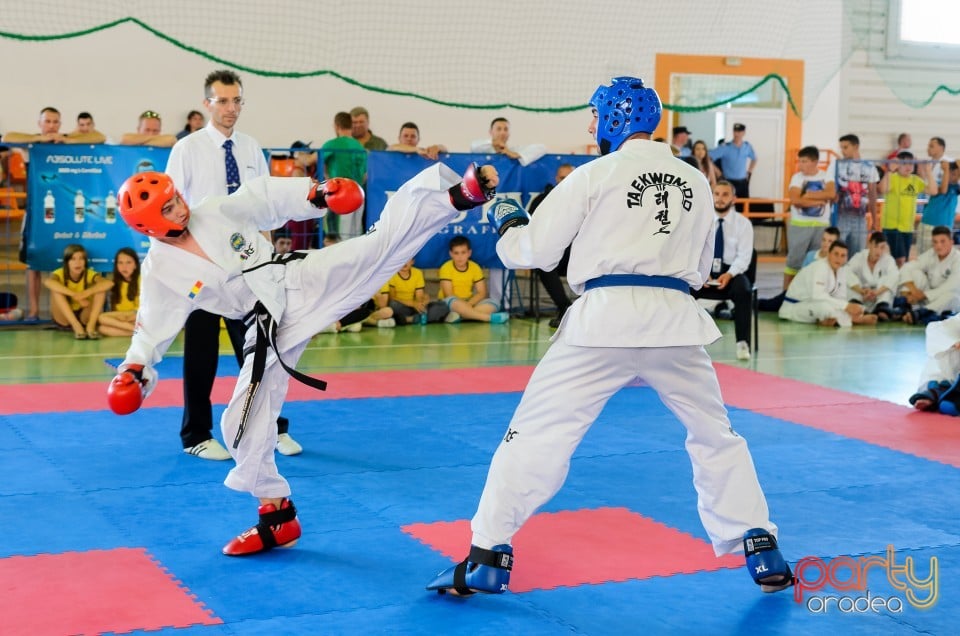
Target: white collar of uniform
[217,136]
[647,146]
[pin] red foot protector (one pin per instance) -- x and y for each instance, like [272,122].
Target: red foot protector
[118,591]
[577,547]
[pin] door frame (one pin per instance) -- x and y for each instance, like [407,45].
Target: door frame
[668,64]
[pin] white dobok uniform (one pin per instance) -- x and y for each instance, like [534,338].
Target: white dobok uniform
[818,293]
[938,279]
[884,273]
[638,210]
[943,359]
[303,296]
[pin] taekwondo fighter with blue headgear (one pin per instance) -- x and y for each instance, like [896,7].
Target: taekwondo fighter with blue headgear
[640,226]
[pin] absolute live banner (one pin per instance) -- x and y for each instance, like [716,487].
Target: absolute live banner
[387,171]
[73,199]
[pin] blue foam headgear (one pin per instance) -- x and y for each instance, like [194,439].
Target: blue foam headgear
[624,108]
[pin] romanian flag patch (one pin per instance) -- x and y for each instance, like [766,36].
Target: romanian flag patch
[196,289]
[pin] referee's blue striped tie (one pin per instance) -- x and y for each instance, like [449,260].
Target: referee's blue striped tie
[233,173]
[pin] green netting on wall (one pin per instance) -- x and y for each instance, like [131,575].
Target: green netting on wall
[532,56]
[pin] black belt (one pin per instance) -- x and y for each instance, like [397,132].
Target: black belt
[267,337]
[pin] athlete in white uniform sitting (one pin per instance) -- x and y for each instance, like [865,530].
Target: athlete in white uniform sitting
[218,260]
[640,228]
[819,294]
[873,277]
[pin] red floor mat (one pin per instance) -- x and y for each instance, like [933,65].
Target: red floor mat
[561,549]
[99,591]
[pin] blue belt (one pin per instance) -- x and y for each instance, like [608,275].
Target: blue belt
[637,280]
[790,300]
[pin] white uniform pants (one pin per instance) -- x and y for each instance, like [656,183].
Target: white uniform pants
[811,311]
[322,288]
[566,393]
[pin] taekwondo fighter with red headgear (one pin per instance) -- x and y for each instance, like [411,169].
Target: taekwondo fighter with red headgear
[218,260]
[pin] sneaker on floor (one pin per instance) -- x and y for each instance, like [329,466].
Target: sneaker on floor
[208,449]
[452,317]
[387,323]
[286,445]
[743,350]
[499,318]
[356,327]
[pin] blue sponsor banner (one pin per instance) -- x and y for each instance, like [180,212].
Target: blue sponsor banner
[387,171]
[72,194]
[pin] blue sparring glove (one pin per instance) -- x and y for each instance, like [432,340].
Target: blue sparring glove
[507,213]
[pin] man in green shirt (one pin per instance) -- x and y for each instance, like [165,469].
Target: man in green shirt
[344,156]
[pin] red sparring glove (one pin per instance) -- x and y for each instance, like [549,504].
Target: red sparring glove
[339,195]
[126,391]
[473,190]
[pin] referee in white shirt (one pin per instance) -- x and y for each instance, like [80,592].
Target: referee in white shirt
[733,253]
[214,161]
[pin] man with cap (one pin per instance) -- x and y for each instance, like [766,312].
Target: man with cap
[739,160]
[640,226]
[681,140]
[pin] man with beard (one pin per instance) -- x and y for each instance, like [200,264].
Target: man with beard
[732,253]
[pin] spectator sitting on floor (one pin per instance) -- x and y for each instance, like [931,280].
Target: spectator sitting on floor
[124,295]
[77,294]
[819,294]
[930,285]
[464,288]
[873,276]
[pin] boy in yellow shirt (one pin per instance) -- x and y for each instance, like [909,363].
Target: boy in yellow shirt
[464,288]
[901,188]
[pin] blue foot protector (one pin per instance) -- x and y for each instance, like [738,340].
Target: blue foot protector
[765,562]
[486,571]
[950,399]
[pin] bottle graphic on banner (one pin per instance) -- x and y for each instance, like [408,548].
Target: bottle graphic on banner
[49,208]
[111,208]
[78,207]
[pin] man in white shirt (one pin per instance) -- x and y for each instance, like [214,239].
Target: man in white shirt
[819,294]
[497,144]
[639,224]
[733,251]
[198,165]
